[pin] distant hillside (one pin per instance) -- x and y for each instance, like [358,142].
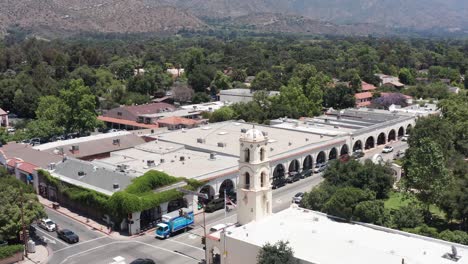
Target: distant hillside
[106,16]
[413,14]
[268,22]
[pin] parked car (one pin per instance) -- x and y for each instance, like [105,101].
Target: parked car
[278,182]
[400,154]
[298,197]
[214,205]
[35,141]
[11,129]
[306,173]
[404,138]
[293,177]
[68,236]
[387,149]
[320,167]
[143,261]
[357,154]
[47,224]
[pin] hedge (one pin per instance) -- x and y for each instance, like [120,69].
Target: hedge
[10,250]
[78,194]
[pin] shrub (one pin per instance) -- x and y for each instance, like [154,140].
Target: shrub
[344,200]
[10,250]
[456,236]
[370,212]
[150,181]
[408,216]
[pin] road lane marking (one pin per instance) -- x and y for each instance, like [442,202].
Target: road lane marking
[80,243]
[125,242]
[51,237]
[187,245]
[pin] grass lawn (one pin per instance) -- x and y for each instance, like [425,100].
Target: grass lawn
[397,200]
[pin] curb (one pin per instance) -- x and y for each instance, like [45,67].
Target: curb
[84,223]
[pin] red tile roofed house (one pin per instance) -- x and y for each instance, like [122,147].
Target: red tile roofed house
[367,86]
[363,99]
[3,118]
[175,122]
[134,113]
[409,99]
[127,124]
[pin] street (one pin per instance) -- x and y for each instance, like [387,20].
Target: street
[96,247]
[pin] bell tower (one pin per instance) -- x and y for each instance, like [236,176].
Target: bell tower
[254,199]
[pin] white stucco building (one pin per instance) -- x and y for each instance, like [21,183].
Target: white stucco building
[314,237]
[240,95]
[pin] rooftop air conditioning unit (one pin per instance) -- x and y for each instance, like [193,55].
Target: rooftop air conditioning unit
[221,144]
[75,148]
[81,173]
[161,161]
[265,133]
[115,186]
[52,166]
[181,158]
[116,141]
[200,140]
[150,163]
[243,130]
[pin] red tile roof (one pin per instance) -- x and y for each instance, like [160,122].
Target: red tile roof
[367,86]
[363,95]
[126,122]
[149,108]
[12,162]
[176,120]
[27,167]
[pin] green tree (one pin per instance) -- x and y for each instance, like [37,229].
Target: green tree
[408,216]
[264,81]
[343,202]
[11,199]
[291,102]
[221,81]
[318,196]
[426,172]
[199,98]
[239,75]
[406,76]
[223,114]
[339,97]
[201,77]
[279,253]
[370,212]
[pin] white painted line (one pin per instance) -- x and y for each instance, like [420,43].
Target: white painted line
[187,245]
[51,237]
[124,242]
[80,243]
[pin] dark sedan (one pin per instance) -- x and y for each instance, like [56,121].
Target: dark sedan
[143,261]
[68,236]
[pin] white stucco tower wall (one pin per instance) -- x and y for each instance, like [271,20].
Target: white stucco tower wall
[254,196]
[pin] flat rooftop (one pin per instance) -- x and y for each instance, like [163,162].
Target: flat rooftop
[173,159]
[91,176]
[93,145]
[180,113]
[224,137]
[316,238]
[26,153]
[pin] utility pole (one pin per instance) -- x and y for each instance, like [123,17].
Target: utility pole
[22,223]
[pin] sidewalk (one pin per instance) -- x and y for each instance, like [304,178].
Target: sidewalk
[82,219]
[40,256]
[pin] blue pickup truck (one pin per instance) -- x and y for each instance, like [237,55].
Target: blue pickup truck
[173,222]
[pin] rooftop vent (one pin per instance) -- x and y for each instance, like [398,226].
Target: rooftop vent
[452,256]
[75,148]
[221,144]
[161,161]
[181,158]
[212,156]
[81,173]
[201,140]
[243,130]
[265,134]
[115,186]
[116,142]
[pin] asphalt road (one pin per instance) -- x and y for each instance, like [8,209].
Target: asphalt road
[186,247]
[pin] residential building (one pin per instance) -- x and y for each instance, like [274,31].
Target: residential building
[175,122]
[389,80]
[175,72]
[367,87]
[4,118]
[454,89]
[363,99]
